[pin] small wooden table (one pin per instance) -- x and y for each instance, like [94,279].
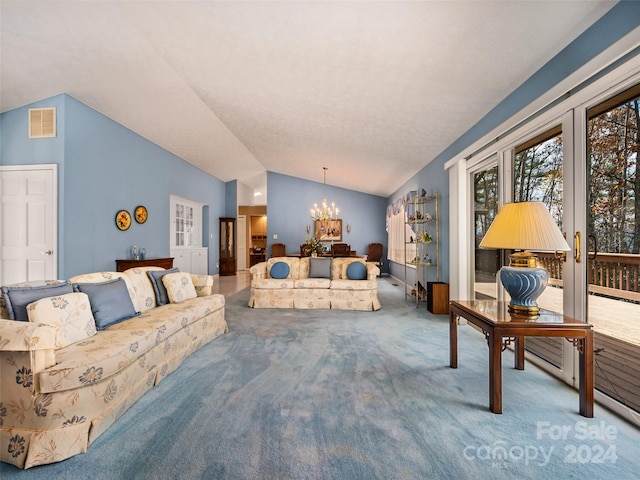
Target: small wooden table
[501,328]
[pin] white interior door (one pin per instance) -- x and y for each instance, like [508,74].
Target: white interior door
[28,216]
[242,242]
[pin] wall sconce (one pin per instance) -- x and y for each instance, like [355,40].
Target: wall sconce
[348,228]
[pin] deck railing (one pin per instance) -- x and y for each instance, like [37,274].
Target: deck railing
[612,274]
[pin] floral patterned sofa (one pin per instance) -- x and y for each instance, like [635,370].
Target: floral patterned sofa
[66,375]
[347,283]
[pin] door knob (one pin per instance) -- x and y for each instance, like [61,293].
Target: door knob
[47,252]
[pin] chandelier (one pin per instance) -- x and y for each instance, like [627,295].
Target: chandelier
[324,212]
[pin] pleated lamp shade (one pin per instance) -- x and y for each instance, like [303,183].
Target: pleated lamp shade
[525,226]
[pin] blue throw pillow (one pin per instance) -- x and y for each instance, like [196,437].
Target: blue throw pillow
[158,287]
[279,270]
[357,271]
[162,298]
[319,267]
[17,298]
[110,301]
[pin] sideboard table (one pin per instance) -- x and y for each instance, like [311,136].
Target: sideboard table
[501,328]
[166,263]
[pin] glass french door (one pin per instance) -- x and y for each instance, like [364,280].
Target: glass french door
[583,166]
[532,170]
[613,243]
[487,261]
[538,176]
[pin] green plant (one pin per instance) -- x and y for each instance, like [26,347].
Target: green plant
[312,245]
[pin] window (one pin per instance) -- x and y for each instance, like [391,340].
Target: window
[395,240]
[538,172]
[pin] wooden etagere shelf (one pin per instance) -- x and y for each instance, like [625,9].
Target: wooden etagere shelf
[421,244]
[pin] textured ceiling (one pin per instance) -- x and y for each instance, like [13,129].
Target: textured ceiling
[371,90]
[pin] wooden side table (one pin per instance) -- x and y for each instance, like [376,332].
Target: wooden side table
[166,263]
[502,328]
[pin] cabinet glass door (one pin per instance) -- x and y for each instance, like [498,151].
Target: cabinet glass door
[227,246]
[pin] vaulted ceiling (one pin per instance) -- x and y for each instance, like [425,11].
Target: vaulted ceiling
[371,90]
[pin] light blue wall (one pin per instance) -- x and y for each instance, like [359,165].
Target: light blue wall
[231,199]
[288,212]
[615,24]
[104,167]
[16,148]
[433,179]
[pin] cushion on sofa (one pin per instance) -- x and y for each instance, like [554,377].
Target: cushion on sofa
[179,287]
[117,348]
[280,270]
[293,262]
[339,267]
[69,314]
[110,301]
[312,283]
[319,267]
[354,286]
[96,358]
[273,283]
[303,267]
[145,295]
[156,279]
[17,297]
[101,277]
[170,318]
[357,271]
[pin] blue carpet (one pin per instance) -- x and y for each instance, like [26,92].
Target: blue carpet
[326,394]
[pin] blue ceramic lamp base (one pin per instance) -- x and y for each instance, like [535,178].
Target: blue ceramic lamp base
[524,285]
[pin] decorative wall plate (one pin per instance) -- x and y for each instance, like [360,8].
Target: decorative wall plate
[140,214]
[123,220]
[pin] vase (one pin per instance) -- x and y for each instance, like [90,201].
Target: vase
[314,254]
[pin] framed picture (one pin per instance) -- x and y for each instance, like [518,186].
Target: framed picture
[123,220]
[141,214]
[328,230]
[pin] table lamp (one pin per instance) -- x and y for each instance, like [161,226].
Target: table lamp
[526,227]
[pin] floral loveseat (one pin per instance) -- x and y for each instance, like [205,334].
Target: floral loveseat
[347,283]
[66,375]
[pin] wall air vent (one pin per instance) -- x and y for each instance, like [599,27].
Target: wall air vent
[42,122]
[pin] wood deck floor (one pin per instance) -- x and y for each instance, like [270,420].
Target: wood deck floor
[610,317]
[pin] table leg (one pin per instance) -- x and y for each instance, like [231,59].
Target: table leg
[453,340]
[586,374]
[519,353]
[495,372]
